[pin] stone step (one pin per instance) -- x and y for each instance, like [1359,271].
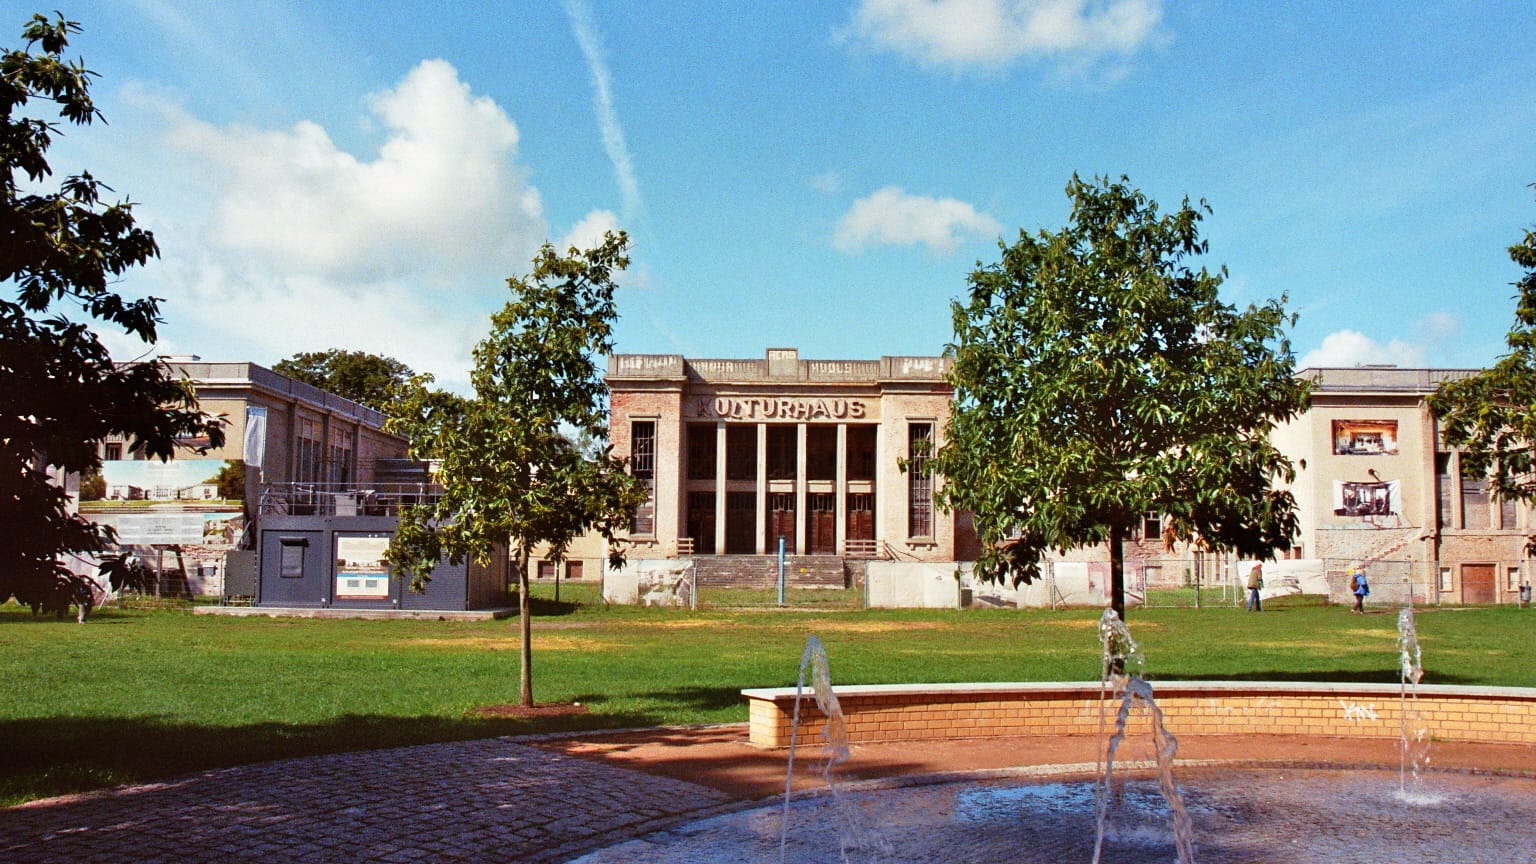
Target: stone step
[762,571]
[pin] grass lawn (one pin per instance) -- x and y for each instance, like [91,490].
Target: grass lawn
[144,694]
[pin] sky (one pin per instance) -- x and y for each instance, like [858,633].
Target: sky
[821,176]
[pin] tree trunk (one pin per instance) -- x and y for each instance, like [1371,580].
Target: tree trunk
[524,630]
[1117,570]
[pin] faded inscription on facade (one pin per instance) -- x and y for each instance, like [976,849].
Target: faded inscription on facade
[779,408]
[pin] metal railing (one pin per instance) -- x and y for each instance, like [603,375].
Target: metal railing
[343,499]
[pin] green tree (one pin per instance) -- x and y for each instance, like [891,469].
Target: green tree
[367,379]
[508,469]
[231,480]
[1098,379]
[1491,416]
[60,392]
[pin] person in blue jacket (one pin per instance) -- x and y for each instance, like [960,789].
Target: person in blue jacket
[1360,588]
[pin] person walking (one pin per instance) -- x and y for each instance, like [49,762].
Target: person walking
[1360,588]
[1255,582]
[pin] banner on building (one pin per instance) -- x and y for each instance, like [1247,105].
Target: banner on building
[1367,499]
[255,435]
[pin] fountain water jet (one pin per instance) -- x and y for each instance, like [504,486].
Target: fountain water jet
[1121,673]
[852,833]
[1415,733]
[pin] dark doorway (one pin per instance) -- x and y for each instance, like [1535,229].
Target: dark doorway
[740,523]
[701,522]
[821,523]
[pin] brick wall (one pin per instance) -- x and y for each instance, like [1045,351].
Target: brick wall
[937,712]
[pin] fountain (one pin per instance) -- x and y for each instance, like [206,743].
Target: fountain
[852,833]
[1121,672]
[1276,813]
[1415,733]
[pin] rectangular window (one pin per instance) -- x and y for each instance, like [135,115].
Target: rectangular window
[1507,514]
[1445,580]
[1152,527]
[546,570]
[1474,503]
[821,453]
[741,452]
[919,482]
[701,451]
[112,452]
[1512,578]
[642,463]
[291,563]
[782,452]
[308,449]
[573,569]
[861,452]
[1443,489]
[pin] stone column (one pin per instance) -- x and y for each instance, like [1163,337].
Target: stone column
[842,489]
[720,481]
[762,490]
[800,475]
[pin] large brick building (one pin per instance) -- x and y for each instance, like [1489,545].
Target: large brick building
[741,453]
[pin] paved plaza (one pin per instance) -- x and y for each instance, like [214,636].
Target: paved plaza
[556,798]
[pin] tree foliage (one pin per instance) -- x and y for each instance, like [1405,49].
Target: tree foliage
[1491,416]
[509,471]
[1099,378]
[60,253]
[367,379]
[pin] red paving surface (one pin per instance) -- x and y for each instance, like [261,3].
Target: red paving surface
[719,757]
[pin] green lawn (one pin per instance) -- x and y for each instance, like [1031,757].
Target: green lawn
[142,694]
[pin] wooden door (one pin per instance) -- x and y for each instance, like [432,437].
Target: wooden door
[781,522]
[1477,583]
[822,523]
[861,516]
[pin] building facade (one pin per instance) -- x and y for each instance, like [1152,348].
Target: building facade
[741,453]
[1376,485]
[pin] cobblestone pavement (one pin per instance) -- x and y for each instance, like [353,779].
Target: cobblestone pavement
[492,800]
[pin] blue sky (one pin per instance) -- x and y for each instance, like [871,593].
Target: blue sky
[821,176]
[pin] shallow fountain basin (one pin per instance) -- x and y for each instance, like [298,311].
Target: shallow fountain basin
[919,712]
[1277,815]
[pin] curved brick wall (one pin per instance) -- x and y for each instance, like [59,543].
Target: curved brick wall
[918,712]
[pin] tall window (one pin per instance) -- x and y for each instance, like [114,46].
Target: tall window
[1443,488]
[642,461]
[1507,514]
[113,452]
[919,483]
[782,450]
[308,450]
[1474,503]
[701,451]
[340,457]
[741,452]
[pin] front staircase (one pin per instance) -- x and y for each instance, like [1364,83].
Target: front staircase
[762,571]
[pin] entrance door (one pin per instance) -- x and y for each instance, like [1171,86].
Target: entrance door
[1477,583]
[821,522]
[701,522]
[781,521]
[861,516]
[740,523]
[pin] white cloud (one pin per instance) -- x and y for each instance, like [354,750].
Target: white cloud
[275,240]
[1350,348]
[997,32]
[590,230]
[442,187]
[894,218]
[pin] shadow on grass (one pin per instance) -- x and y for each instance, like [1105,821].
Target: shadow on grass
[58,756]
[685,699]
